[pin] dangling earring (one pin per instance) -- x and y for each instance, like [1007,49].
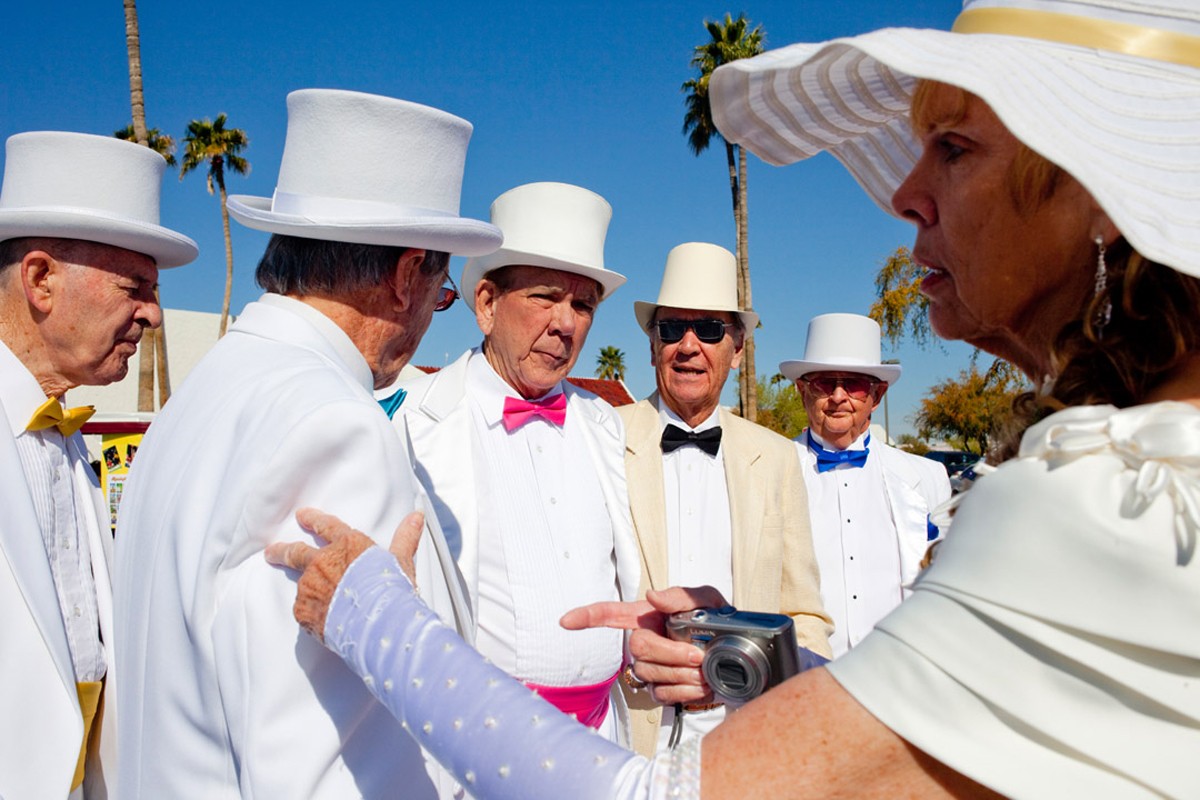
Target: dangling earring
[1104,313]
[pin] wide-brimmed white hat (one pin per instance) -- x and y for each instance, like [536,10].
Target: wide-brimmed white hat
[1109,90]
[551,225]
[95,188]
[701,277]
[370,170]
[842,343]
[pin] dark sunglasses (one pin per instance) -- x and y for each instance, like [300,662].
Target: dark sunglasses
[446,296]
[709,331]
[856,386]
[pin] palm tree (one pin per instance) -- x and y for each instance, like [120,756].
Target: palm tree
[154,342]
[730,40]
[610,366]
[156,140]
[208,141]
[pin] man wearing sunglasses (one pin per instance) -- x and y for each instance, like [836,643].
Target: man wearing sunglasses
[716,499]
[526,471]
[870,502]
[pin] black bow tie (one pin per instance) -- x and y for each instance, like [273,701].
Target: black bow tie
[675,437]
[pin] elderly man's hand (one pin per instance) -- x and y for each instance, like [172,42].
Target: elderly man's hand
[671,668]
[324,567]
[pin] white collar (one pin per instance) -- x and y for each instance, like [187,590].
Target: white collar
[490,390]
[342,344]
[858,444]
[666,416]
[20,392]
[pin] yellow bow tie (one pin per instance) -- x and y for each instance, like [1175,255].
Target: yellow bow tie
[50,414]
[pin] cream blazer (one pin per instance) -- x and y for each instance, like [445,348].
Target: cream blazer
[774,567]
[41,726]
[225,695]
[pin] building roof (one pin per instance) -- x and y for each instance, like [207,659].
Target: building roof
[615,392]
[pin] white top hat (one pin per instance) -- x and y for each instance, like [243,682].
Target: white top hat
[370,170]
[698,276]
[551,225]
[1109,90]
[842,343]
[95,188]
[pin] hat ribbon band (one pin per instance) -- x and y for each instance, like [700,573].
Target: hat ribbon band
[1101,34]
[347,209]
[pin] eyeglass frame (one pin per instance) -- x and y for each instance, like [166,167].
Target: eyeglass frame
[690,324]
[839,381]
[441,304]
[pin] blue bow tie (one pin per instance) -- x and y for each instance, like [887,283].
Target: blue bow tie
[828,459]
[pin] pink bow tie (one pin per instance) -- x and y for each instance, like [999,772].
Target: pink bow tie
[517,411]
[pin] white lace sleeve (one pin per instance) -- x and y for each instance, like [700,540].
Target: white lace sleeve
[494,735]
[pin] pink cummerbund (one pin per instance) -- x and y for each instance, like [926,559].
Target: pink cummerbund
[589,704]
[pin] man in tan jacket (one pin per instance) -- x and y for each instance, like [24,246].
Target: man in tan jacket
[716,499]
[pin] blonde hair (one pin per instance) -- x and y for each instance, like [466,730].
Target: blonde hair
[1155,321]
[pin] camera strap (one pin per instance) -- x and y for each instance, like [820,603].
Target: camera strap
[676,727]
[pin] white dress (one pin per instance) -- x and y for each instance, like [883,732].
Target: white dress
[1053,649]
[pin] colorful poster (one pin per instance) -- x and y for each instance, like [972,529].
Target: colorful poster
[117,451]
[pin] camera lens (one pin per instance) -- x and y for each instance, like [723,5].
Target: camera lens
[735,668]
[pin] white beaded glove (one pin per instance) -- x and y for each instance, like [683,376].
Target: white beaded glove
[492,733]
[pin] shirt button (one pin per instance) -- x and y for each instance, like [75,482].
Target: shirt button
[539,448]
[553,501]
[567,554]
[77,611]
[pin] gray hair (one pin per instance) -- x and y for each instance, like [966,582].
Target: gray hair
[13,250]
[298,266]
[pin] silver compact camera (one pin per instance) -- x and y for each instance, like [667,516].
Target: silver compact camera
[745,652]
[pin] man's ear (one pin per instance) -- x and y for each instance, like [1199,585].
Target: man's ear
[486,294]
[40,274]
[404,275]
[739,350]
[880,391]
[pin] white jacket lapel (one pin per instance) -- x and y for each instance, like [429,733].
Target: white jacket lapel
[908,512]
[606,445]
[21,544]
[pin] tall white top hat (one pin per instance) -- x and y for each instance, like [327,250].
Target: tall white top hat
[551,225]
[370,170]
[95,188]
[842,343]
[698,276]
[1109,90]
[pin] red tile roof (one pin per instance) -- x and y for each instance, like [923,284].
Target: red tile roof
[615,392]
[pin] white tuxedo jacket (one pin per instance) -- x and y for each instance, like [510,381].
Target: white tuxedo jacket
[439,422]
[915,486]
[225,695]
[41,727]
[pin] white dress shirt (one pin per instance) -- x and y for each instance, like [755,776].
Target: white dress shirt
[857,545]
[699,538]
[50,464]
[545,543]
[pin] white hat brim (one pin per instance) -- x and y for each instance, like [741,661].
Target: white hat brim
[165,246]
[476,268]
[794,370]
[645,314]
[448,234]
[1124,127]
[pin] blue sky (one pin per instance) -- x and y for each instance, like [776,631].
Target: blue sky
[582,93]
